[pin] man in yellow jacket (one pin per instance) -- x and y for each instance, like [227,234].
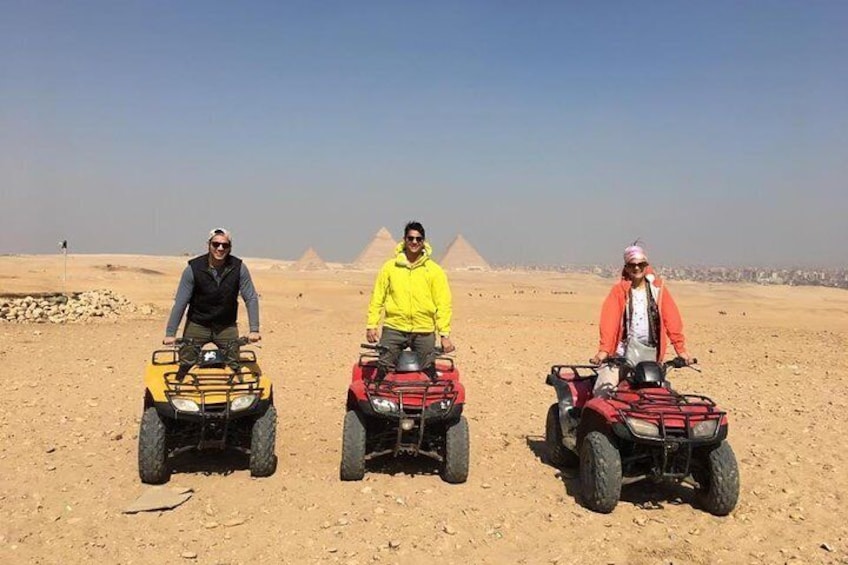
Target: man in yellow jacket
[414,293]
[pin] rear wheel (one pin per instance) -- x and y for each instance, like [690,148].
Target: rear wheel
[558,454]
[718,480]
[152,449]
[455,469]
[353,447]
[263,440]
[600,473]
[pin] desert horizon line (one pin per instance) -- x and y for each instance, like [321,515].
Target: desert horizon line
[495,265]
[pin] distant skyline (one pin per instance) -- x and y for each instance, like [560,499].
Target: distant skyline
[544,132]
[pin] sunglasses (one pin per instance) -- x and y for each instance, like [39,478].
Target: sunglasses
[219,244]
[412,238]
[641,265]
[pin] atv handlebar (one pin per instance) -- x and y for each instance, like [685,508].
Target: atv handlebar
[676,363]
[381,348]
[680,362]
[180,341]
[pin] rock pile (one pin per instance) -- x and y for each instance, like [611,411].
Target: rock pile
[60,308]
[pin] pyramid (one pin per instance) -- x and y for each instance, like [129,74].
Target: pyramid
[309,261]
[380,250]
[461,256]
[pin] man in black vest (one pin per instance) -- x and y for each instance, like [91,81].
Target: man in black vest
[210,286]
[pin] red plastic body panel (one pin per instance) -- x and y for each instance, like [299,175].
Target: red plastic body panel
[580,387]
[447,384]
[653,404]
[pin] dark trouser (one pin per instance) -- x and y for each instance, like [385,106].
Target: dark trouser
[424,345]
[197,336]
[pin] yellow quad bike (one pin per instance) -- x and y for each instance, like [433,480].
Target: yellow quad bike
[211,406]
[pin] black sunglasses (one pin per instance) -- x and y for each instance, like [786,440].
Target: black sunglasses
[219,244]
[641,265]
[412,238]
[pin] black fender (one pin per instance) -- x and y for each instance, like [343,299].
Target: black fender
[591,421]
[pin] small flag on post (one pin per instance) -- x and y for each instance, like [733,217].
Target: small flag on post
[63,244]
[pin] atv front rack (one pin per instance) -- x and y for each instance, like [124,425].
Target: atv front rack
[213,392]
[415,401]
[675,416]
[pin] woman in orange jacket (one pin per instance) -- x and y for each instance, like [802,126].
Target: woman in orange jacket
[638,317]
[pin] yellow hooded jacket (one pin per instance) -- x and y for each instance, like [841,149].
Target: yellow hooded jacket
[416,297]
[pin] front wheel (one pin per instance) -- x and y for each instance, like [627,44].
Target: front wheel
[263,440]
[352,467]
[600,473]
[718,480]
[455,469]
[558,454]
[152,449]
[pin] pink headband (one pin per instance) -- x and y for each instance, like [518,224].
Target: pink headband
[634,254]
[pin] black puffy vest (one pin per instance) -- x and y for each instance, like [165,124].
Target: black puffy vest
[214,305]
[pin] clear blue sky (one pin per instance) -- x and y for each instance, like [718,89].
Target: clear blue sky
[545,132]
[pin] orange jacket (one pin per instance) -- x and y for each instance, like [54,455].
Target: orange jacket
[612,317]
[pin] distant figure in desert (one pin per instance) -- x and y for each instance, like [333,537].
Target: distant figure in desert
[413,292]
[210,286]
[637,318]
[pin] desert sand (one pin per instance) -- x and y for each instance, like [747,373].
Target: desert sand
[72,398]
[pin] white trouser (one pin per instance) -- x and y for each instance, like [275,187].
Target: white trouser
[607,380]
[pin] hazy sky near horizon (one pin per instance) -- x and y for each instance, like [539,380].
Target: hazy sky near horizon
[544,132]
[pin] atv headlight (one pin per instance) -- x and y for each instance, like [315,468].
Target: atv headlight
[440,406]
[383,405]
[705,429]
[242,402]
[642,427]
[185,405]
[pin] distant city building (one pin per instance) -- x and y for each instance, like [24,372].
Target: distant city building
[833,278]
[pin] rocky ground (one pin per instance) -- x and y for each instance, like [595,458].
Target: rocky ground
[772,356]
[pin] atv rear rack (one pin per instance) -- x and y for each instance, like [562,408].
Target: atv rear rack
[580,372]
[172,357]
[368,359]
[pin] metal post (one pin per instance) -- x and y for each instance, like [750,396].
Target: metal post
[64,246]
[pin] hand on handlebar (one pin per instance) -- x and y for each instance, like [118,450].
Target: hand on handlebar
[682,361]
[169,340]
[447,345]
[599,358]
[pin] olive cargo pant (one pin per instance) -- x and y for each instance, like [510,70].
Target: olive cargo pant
[197,336]
[424,345]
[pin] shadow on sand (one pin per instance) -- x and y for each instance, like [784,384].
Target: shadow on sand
[403,465]
[645,494]
[210,462]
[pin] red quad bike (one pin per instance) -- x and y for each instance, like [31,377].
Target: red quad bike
[406,412]
[643,430]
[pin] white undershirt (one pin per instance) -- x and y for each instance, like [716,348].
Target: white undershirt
[638,319]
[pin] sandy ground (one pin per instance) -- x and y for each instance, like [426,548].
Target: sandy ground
[72,400]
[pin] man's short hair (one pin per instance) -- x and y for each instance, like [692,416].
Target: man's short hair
[414,225]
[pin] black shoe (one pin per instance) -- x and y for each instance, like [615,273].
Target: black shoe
[431,372]
[380,374]
[182,372]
